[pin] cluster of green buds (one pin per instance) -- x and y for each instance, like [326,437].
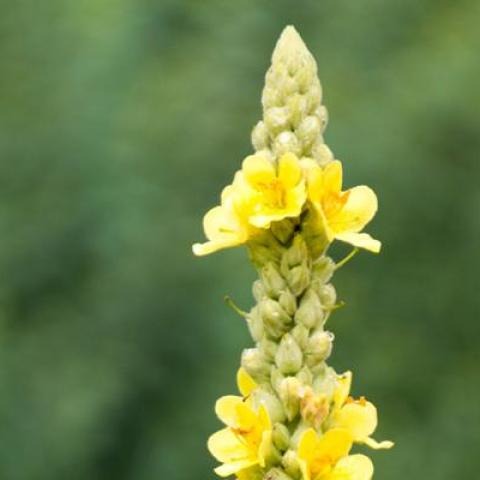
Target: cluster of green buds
[294,418]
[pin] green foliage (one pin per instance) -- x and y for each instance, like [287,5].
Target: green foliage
[120,122]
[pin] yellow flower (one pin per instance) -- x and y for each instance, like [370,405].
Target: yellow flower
[326,457]
[246,384]
[246,440]
[259,195]
[359,417]
[275,193]
[343,214]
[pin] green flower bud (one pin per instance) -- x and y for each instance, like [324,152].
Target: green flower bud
[276,474]
[265,397]
[300,334]
[298,279]
[260,138]
[298,106]
[310,312]
[308,130]
[255,324]
[291,464]
[305,376]
[272,280]
[258,290]
[276,377]
[322,270]
[289,356]
[275,318]
[286,142]
[296,254]
[281,436]
[289,392]
[269,348]
[319,347]
[288,302]
[277,119]
[327,295]
[283,230]
[256,364]
[325,381]
[322,153]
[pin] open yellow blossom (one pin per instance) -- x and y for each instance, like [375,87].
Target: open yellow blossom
[277,192]
[225,225]
[342,214]
[326,457]
[359,416]
[246,440]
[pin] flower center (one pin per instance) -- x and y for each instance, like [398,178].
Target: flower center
[334,202]
[274,195]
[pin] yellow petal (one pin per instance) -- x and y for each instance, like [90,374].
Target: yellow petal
[342,391]
[358,210]
[264,418]
[359,419]
[353,467]
[315,183]
[226,409]
[227,447]
[360,240]
[307,445]
[246,417]
[230,468]
[335,443]
[332,177]
[246,384]
[370,442]
[264,447]
[289,171]
[257,170]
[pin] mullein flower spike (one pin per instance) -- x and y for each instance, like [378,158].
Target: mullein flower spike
[295,418]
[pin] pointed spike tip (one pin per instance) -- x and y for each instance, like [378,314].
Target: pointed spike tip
[289,46]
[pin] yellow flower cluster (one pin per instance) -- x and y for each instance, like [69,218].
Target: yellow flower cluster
[263,192]
[322,453]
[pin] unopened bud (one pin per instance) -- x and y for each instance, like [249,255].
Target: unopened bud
[268,347]
[283,230]
[275,318]
[300,334]
[308,130]
[286,142]
[322,153]
[258,290]
[310,312]
[267,398]
[305,376]
[260,138]
[319,347]
[277,119]
[256,364]
[276,474]
[328,295]
[297,253]
[289,356]
[325,381]
[281,436]
[255,324]
[289,392]
[291,464]
[288,302]
[298,279]
[272,280]
[323,269]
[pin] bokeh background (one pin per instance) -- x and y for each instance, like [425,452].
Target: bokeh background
[120,121]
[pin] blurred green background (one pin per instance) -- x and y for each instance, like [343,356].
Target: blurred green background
[120,122]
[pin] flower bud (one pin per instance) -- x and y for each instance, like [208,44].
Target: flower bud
[258,290]
[276,474]
[319,347]
[310,312]
[322,269]
[255,324]
[282,230]
[322,153]
[297,105]
[260,138]
[298,279]
[288,302]
[272,280]
[275,319]
[266,397]
[286,142]
[305,376]
[256,364]
[328,295]
[325,381]
[277,119]
[308,130]
[281,436]
[269,348]
[300,334]
[291,464]
[296,254]
[289,356]
[289,392]
[276,377]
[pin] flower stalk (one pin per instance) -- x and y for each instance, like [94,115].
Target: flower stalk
[294,418]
